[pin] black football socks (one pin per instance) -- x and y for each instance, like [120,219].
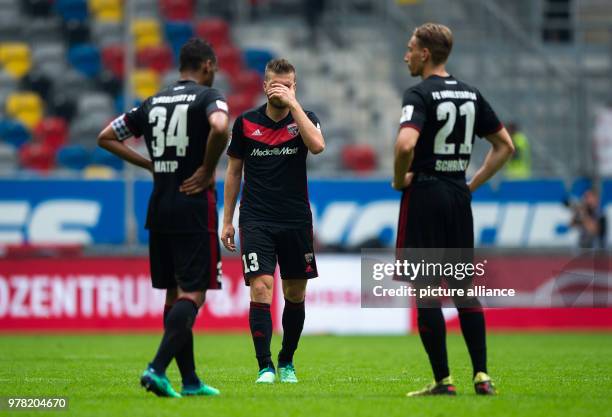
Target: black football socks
[260,321]
[293,323]
[432,330]
[472,322]
[178,324]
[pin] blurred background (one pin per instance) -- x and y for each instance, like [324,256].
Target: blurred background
[72,215]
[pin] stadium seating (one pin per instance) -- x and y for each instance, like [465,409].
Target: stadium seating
[230,60]
[359,158]
[27,107]
[37,156]
[37,8]
[146,32]
[113,60]
[98,172]
[158,58]
[76,32]
[15,58]
[8,158]
[72,9]
[106,10]
[73,157]
[85,58]
[105,33]
[248,82]
[177,9]
[37,82]
[62,105]
[256,58]
[215,31]
[13,132]
[238,103]
[52,131]
[177,33]
[103,157]
[145,83]
[50,59]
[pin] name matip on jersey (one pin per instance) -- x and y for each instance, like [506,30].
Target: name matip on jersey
[448,114]
[174,124]
[275,189]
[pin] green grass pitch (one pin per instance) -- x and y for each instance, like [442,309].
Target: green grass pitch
[537,375]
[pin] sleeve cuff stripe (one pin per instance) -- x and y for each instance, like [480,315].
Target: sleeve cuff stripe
[412,125]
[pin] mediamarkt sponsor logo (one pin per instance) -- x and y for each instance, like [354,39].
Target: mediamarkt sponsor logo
[274,151]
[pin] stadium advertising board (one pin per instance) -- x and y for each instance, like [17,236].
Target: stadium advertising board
[347,214]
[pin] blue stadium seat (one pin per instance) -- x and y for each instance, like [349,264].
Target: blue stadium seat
[73,157]
[72,9]
[13,132]
[177,33]
[256,58]
[103,157]
[86,59]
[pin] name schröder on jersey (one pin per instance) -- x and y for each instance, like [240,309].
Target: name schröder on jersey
[275,151]
[453,165]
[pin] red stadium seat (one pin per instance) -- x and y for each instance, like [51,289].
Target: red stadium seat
[359,158]
[157,58]
[112,59]
[177,9]
[230,60]
[247,82]
[239,103]
[215,31]
[37,156]
[52,131]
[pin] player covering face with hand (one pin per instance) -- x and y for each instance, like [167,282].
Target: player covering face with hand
[270,145]
[440,117]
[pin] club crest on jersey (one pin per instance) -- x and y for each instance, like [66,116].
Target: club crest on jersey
[293,129]
[308,257]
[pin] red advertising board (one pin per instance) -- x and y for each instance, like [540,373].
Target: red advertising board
[105,293]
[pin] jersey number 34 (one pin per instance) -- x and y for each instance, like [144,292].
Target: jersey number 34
[175,135]
[448,111]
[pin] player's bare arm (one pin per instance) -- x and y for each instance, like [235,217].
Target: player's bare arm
[404,153]
[204,176]
[233,177]
[108,140]
[501,151]
[311,134]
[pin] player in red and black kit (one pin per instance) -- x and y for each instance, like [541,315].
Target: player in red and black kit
[271,144]
[440,117]
[185,127]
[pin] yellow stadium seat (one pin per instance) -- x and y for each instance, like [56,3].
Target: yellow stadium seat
[106,10]
[25,106]
[145,83]
[99,172]
[15,58]
[146,33]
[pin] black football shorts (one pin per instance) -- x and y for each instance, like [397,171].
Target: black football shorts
[262,246]
[190,261]
[435,213]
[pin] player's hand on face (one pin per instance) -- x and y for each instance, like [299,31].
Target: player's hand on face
[227,237]
[197,183]
[282,93]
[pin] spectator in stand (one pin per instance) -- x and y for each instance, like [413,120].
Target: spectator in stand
[588,218]
[519,167]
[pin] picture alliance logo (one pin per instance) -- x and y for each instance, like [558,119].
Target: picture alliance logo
[275,151]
